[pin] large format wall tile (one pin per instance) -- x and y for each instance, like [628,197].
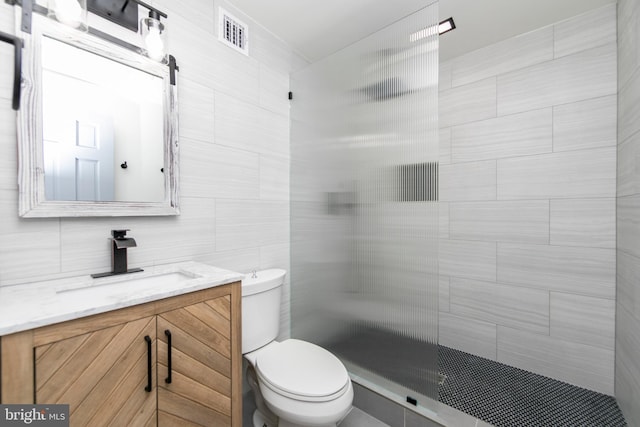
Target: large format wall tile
[473,260]
[245,224]
[443,220]
[574,174]
[8,161]
[586,366]
[196,111]
[586,222]
[516,307]
[585,124]
[444,293]
[473,336]
[582,319]
[444,146]
[266,132]
[511,54]
[627,279]
[30,249]
[516,135]
[468,103]
[628,37]
[588,30]
[628,179]
[444,75]
[274,177]
[628,225]
[468,181]
[586,271]
[627,372]
[211,170]
[502,221]
[583,75]
[629,108]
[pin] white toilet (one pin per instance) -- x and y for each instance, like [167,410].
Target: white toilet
[295,383]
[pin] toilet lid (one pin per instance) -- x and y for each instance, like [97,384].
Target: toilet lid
[302,369]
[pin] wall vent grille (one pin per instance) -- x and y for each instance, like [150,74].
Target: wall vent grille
[233,32]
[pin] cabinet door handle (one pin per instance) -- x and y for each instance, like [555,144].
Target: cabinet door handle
[147,338]
[168,334]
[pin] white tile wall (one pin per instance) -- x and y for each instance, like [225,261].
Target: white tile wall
[509,55]
[585,124]
[587,74]
[583,365]
[628,179]
[511,221]
[582,319]
[571,174]
[516,307]
[515,135]
[586,271]
[529,181]
[469,259]
[468,181]
[468,103]
[468,335]
[586,222]
[591,29]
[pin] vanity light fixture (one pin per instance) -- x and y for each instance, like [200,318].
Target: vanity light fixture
[125,14]
[154,36]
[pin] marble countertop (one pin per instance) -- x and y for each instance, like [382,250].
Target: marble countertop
[37,304]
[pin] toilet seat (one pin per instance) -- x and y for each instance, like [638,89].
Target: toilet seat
[302,371]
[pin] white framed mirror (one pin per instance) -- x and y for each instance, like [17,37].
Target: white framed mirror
[97,128]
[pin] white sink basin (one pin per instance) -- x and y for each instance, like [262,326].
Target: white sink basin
[133,283]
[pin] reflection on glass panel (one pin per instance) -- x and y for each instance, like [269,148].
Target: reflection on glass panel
[102,113]
[364,218]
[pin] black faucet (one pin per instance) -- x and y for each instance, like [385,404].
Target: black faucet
[119,245]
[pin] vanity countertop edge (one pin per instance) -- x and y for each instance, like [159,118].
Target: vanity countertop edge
[37,304]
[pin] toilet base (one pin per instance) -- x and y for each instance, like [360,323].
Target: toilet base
[259,420]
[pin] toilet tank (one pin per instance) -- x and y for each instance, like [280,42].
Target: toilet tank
[261,308]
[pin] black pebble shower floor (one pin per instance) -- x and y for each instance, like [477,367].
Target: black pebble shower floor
[510,397]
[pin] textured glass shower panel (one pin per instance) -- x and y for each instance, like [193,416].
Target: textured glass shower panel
[364,212]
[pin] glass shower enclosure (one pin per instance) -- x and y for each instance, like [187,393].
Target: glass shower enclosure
[364,211]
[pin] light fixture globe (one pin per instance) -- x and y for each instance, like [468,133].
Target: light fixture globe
[154,37]
[72,13]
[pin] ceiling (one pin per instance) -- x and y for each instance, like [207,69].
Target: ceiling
[315,29]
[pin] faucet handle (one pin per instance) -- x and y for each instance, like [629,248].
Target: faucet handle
[254,274]
[119,234]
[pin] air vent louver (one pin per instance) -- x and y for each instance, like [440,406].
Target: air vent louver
[233,32]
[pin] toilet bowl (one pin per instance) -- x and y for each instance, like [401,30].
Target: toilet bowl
[295,383]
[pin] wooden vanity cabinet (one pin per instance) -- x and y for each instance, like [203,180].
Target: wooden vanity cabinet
[99,365]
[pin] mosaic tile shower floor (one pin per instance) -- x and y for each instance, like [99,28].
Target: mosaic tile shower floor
[510,397]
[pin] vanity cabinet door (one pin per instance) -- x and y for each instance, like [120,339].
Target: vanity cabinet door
[197,388]
[102,375]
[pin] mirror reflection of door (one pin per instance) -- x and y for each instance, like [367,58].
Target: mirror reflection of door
[98,113]
[79,157]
